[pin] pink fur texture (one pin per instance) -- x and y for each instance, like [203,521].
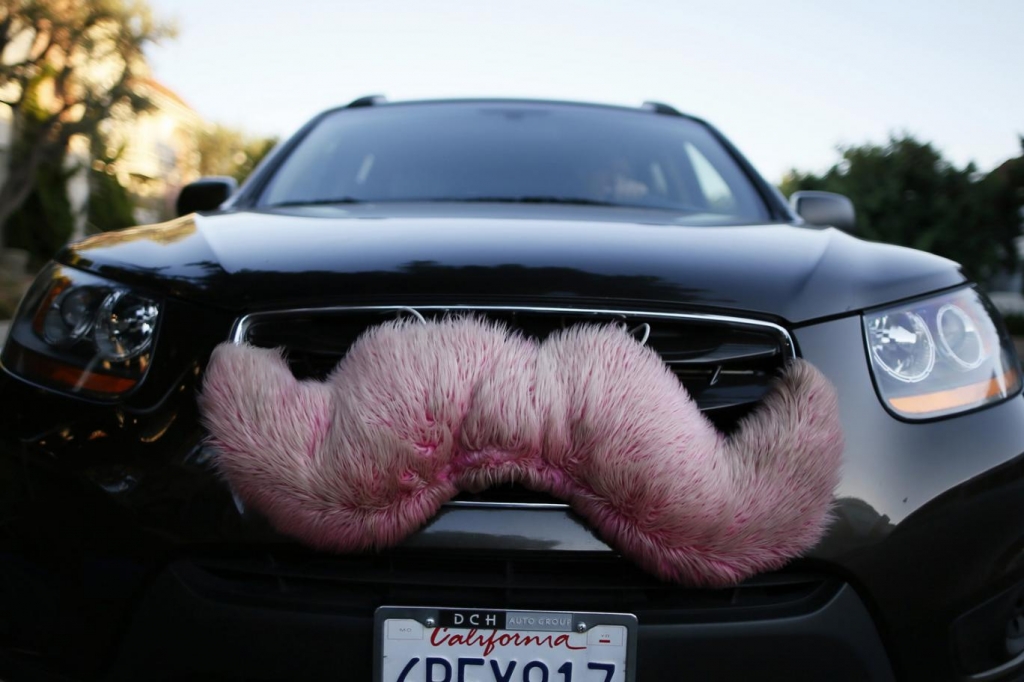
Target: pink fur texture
[416,412]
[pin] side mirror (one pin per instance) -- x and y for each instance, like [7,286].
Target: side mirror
[825,208]
[205,194]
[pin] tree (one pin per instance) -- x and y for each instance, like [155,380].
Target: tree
[110,205]
[64,66]
[44,222]
[227,151]
[906,193]
[1002,190]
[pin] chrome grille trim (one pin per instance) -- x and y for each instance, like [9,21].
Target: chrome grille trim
[241,326]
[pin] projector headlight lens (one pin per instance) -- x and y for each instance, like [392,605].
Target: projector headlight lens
[959,337]
[902,346]
[70,316]
[125,325]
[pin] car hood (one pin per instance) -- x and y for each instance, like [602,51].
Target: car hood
[252,260]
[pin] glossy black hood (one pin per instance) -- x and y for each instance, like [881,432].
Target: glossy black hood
[451,254]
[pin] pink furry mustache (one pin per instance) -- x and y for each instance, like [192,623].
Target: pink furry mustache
[416,412]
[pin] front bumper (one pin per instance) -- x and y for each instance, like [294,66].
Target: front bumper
[123,556]
[238,624]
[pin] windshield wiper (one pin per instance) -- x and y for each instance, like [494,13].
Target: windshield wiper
[533,199]
[538,199]
[317,202]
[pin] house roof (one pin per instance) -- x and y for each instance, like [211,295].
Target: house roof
[162,89]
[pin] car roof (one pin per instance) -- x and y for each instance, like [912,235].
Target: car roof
[647,107]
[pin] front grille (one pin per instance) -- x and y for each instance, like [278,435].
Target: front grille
[357,585]
[726,364]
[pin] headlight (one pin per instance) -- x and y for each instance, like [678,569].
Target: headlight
[82,334]
[941,355]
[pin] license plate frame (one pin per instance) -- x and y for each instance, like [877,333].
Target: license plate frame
[445,617]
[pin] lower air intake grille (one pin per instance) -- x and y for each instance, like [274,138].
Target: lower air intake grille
[357,585]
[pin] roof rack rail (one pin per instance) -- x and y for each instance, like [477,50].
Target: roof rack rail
[366,101]
[660,108]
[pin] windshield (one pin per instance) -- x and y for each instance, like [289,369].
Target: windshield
[514,152]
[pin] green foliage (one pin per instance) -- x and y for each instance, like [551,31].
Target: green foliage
[227,151]
[255,149]
[110,204]
[1002,190]
[44,222]
[906,193]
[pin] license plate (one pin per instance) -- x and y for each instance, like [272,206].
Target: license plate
[413,644]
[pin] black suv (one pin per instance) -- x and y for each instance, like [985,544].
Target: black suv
[126,554]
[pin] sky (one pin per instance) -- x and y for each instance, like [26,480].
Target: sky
[788,82]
